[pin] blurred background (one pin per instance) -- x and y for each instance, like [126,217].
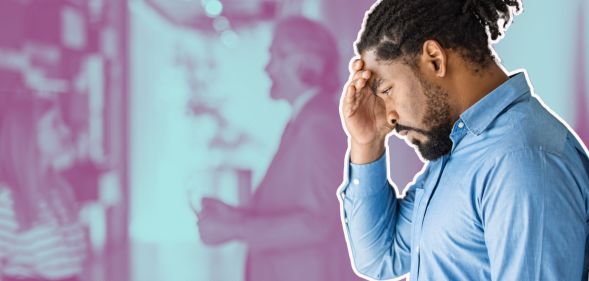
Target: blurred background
[165,102]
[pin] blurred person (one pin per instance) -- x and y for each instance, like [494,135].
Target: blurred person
[40,236]
[291,224]
[505,192]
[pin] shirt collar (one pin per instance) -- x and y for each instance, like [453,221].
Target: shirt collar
[480,115]
[300,102]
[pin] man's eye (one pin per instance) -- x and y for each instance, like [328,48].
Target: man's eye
[386,92]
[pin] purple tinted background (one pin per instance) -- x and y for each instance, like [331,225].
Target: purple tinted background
[167,102]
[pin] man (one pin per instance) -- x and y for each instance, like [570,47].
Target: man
[292,225]
[504,194]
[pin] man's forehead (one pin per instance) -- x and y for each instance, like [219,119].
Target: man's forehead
[373,62]
[376,68]
[370,60]
[384,69]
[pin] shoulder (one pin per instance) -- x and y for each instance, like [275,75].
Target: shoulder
[320,124]
[527,126]
[521,159]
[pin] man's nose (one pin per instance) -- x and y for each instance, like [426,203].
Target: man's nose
[392,118]
[267,67]
[393,122]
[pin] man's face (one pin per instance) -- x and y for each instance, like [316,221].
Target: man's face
[282,69]
[419,108]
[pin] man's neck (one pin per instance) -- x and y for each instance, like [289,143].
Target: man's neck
[472,87]
[300,102]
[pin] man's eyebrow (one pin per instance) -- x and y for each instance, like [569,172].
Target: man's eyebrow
[375,84]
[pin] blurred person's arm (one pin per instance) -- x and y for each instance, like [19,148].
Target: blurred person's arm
[312,217]
[308,224]
[297,228]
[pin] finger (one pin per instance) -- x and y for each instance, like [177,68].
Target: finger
[357,64]
[354,76]
[350,94]
[366,74]
[360,79]
[360,83]
[350,101]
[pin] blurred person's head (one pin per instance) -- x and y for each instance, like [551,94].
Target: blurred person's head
[427,57]
[32,137]
[303,55]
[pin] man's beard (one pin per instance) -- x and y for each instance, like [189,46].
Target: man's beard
[438,142]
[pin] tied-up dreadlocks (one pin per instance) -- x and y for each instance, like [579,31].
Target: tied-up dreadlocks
[398,28]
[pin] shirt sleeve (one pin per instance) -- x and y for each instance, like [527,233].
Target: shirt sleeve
[378,224]
[534,218]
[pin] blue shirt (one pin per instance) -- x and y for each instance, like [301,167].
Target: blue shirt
[509,202]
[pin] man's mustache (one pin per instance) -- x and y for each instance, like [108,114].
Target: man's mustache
[400,128]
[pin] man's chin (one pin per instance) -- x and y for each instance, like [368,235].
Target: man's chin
[427,156]
[274,94]
[433,150]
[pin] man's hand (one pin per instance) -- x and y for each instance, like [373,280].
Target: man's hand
[364,116]
[218,222]
[212,207]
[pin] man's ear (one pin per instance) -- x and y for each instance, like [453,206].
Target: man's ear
[434,58]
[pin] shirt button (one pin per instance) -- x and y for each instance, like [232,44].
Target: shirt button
[417,250]
[346,220]
[356,181]
[460,125]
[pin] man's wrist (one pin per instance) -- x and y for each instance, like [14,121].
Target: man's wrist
[367,179]
[240,225]
[366,153]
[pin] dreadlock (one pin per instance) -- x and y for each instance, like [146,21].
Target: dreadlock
[398,28]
